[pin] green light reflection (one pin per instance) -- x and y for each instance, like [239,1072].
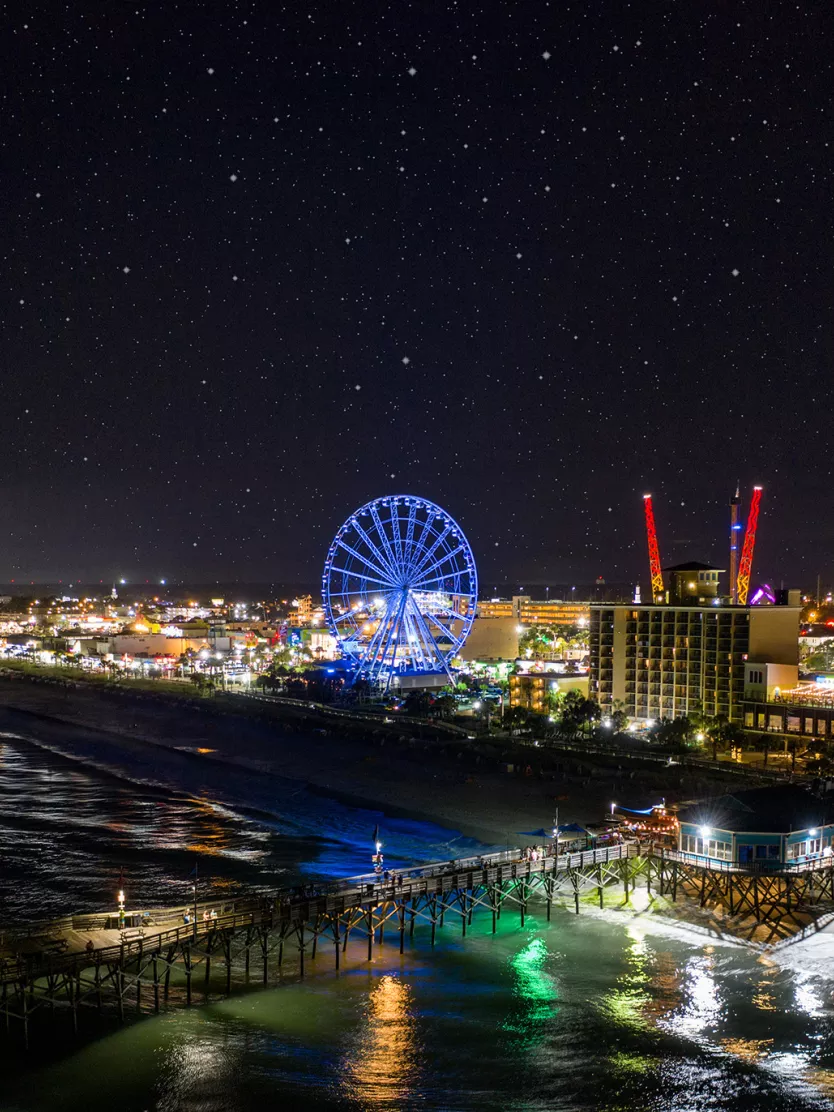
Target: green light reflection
[625,1002]
[534,991]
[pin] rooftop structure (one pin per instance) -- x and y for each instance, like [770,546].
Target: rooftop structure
[692,582]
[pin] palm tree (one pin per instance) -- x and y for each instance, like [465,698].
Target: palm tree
[793,748]
[765,743]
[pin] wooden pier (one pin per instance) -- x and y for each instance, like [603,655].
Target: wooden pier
[77,964]
[767,902]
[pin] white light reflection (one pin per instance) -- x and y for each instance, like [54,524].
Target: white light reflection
[807,995]
[702,1006]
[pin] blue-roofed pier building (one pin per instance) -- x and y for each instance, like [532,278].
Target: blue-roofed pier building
[769,828]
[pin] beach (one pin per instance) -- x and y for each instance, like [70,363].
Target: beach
[458,784]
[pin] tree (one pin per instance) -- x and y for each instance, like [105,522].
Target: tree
[722,733]
[820,661]
[793,745]
[676,732]
[445,705]
[552,640]
[417,704]
[765,743]
[579,712]
[618,719]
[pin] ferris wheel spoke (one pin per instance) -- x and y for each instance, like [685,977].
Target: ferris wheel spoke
[409,532]
[439,654]
[453,615]
[360,575]
[429,555]
[383,536]
[422,586]
[417,549]
[425,632]
[438,564]
[363,559]
[456,641]
[375,639]
[378,555]
[396,536]
[341,617]
[415,646]
[423,638]
[397,626]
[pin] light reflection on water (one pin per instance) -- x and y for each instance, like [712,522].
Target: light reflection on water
[381,1070]
[577,1014]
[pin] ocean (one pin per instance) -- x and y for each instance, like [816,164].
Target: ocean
[606,1010]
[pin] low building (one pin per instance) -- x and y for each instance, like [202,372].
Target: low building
[806,710]
[770,827]
[526,611]
[491,639]
[159,644]
[534,690]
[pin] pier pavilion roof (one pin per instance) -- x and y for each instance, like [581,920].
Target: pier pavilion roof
[777,809]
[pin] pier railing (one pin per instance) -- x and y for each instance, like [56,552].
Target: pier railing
[35,949]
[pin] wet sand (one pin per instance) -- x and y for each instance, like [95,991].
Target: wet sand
[450,783]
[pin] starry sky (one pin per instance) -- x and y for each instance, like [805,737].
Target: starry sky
[264,262]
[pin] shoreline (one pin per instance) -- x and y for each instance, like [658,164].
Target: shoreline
[407,779]
[449,783]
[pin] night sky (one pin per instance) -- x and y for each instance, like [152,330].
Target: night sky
[263,262]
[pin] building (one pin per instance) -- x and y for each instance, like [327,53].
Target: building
[663,661]
[525,611]
[768,827]
[491,639]
[806,710]
[533,690]
[692,582]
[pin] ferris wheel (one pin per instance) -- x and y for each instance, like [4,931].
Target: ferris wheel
[400,589]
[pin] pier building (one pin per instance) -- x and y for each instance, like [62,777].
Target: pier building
[769,828]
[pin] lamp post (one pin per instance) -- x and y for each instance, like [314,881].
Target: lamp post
[120,897]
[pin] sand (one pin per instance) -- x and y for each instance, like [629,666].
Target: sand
[452,784]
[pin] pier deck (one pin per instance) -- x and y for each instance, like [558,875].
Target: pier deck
[82,962]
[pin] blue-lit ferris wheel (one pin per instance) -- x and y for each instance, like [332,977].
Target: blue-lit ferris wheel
[400,589]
